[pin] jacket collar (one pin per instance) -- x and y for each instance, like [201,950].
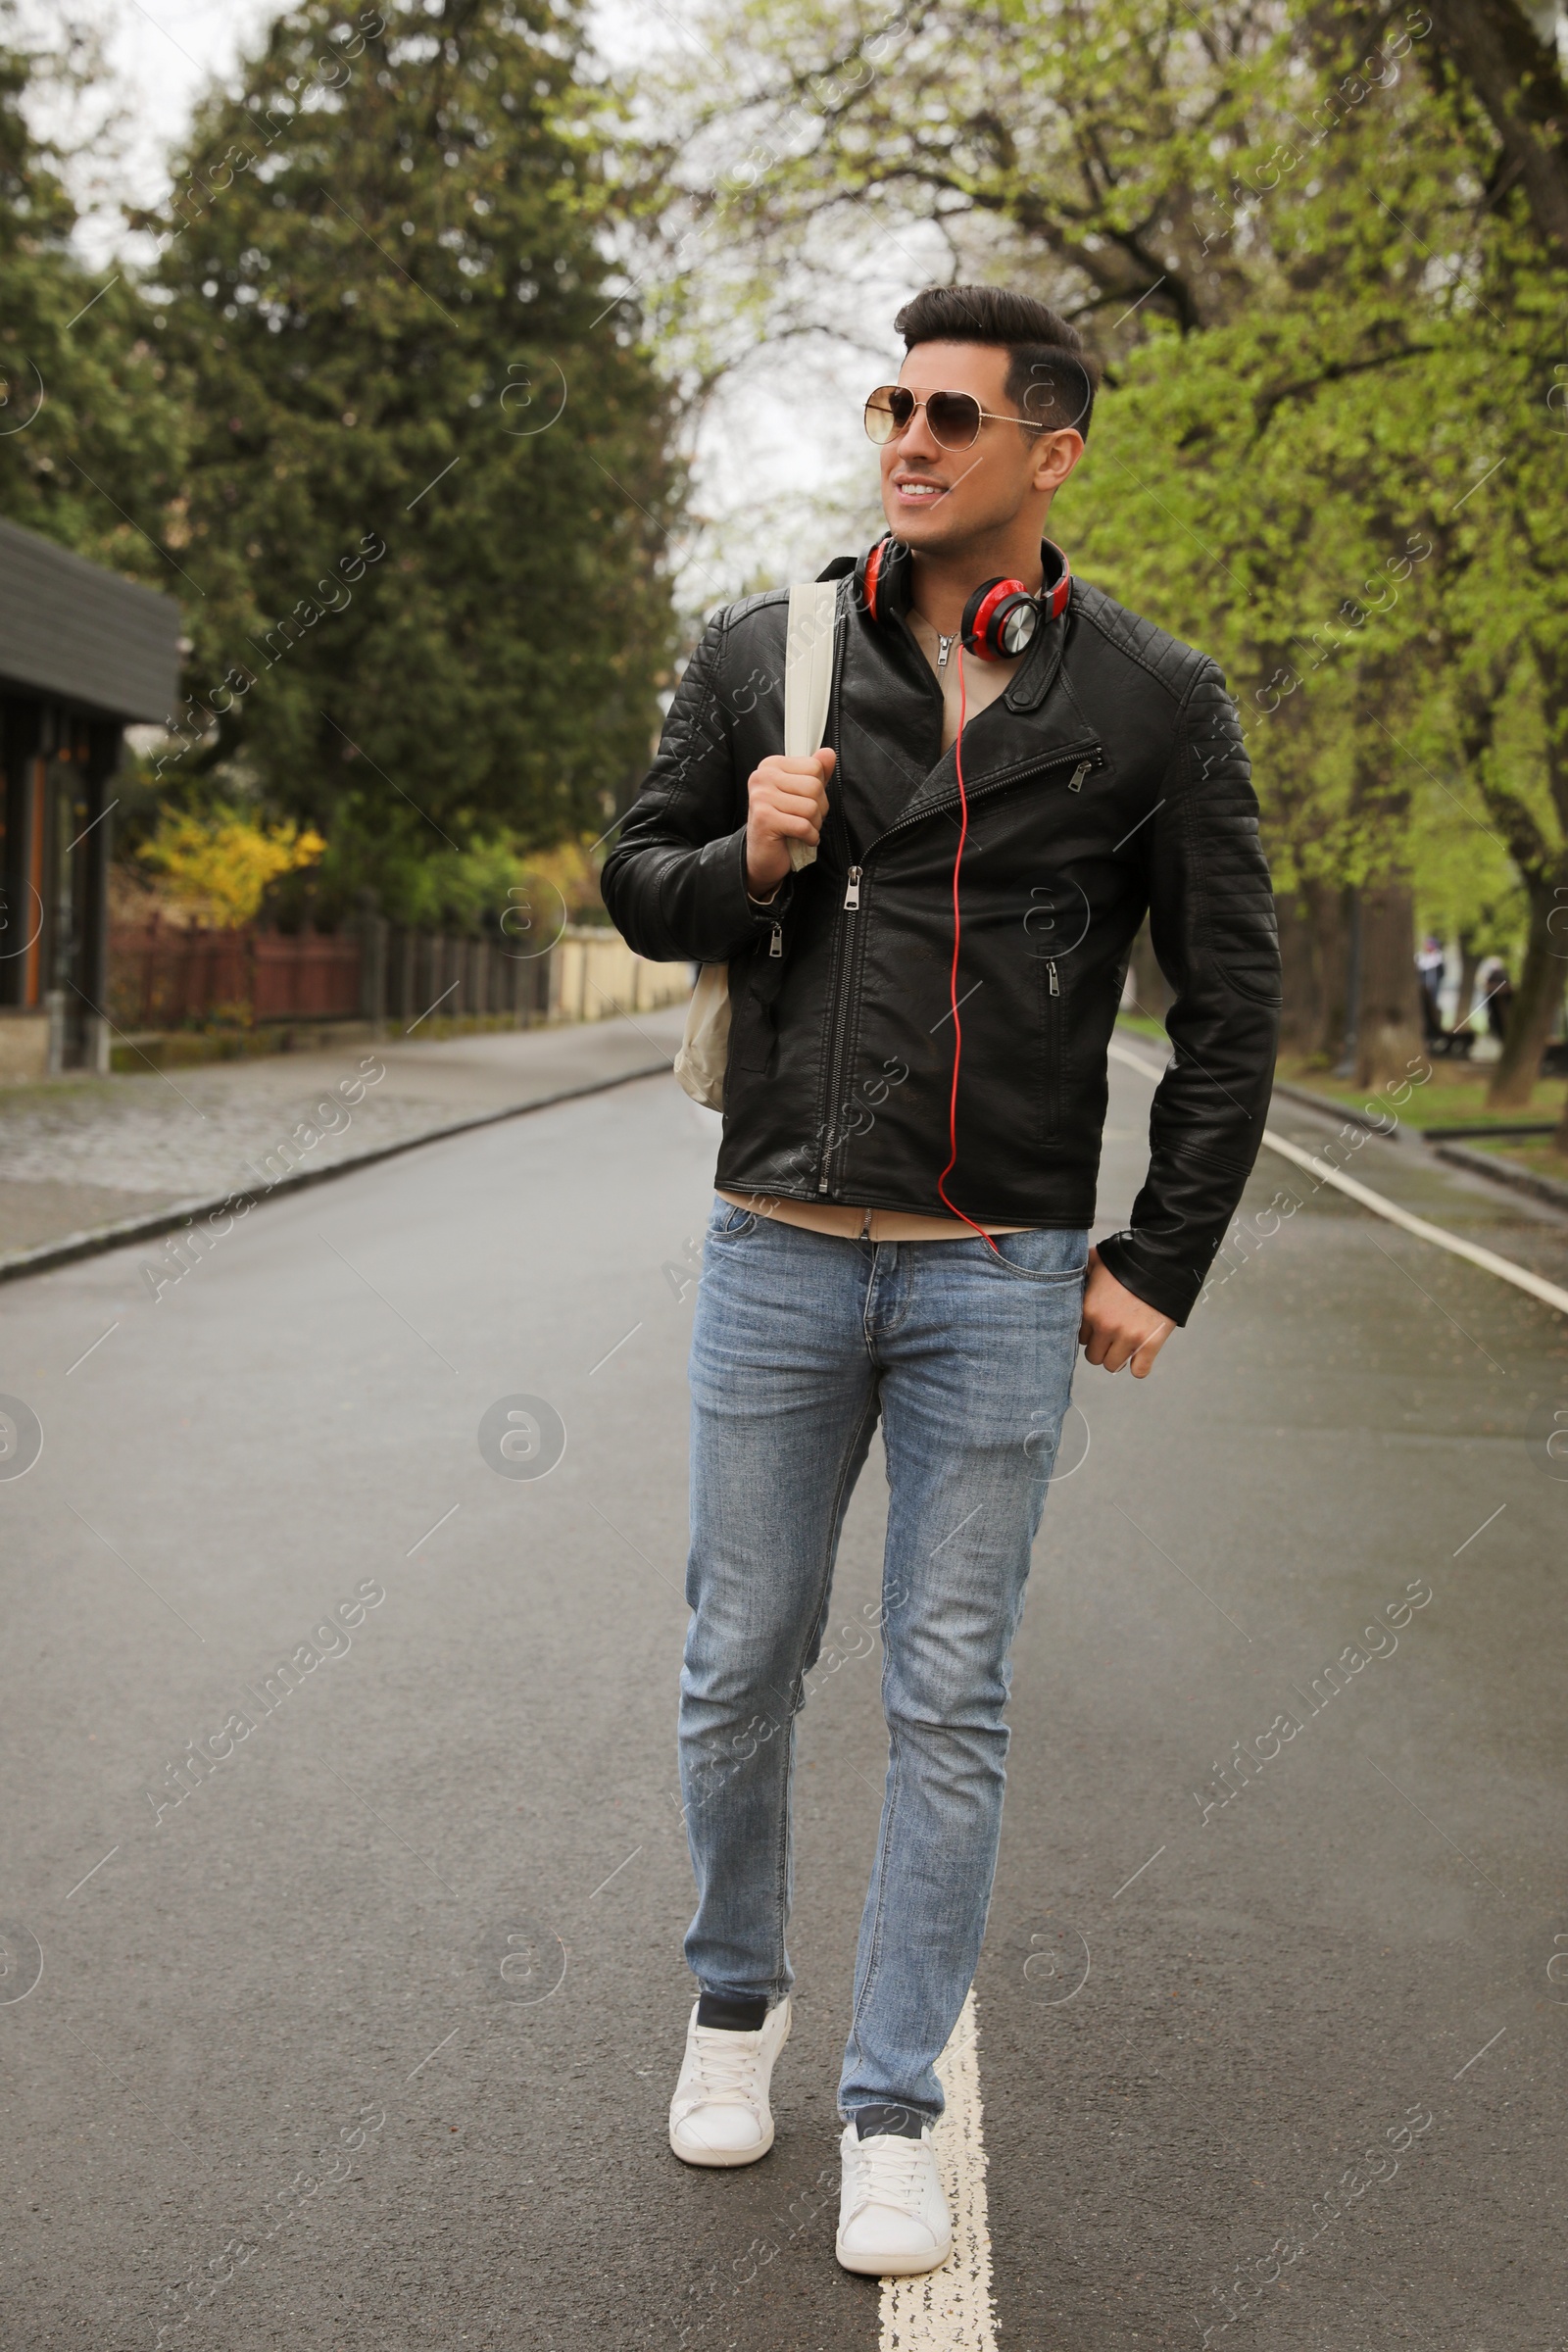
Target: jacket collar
[1036,672]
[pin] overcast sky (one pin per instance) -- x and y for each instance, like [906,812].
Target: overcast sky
[780,440]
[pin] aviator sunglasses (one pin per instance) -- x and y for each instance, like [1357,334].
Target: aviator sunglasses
[954,417]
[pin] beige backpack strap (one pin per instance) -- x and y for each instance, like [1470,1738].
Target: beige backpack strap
[807,678]
[702,1061]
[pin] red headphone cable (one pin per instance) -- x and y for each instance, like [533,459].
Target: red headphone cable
[953,981]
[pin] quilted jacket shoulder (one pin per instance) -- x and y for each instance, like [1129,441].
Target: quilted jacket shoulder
[1171,664]
[749,604]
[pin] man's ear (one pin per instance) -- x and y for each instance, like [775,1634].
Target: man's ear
[1056,456]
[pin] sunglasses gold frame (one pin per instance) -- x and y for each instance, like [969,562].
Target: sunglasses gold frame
[921,400]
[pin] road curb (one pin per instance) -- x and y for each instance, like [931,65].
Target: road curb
[1332,1110]
[1549,1189]
[99,1238]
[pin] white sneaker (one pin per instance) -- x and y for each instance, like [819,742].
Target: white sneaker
[893,2213]
[719,2114]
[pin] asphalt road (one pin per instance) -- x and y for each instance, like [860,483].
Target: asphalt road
[367,2040]
[80,1153]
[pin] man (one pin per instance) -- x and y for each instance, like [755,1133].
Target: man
[913,1102]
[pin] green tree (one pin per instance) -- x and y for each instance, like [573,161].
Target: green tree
[1508,56]
[91,427]
[430,478]
[1329,297]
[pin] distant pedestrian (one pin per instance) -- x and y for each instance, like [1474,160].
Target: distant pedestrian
[1429,964]
[915,1090]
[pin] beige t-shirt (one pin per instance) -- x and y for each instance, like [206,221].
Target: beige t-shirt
[983,682]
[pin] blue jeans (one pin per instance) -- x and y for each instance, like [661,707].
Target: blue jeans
[800,1340]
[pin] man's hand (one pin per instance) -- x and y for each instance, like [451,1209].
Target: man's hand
[788,802]
[1117,1327]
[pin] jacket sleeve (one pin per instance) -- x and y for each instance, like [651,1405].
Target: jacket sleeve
[1211,922]
[675,881]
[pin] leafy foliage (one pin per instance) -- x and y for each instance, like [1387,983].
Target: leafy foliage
[91,427]
[429,483]
[1332,309]
[224,864]
[496,885]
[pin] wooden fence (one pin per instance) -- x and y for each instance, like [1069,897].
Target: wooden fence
[162,977]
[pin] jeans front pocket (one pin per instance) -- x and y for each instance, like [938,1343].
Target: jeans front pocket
[1045,1253]
[729,1223]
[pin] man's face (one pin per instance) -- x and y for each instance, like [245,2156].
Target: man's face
[936,498]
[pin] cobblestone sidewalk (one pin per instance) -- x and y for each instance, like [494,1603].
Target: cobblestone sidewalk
[78,1155]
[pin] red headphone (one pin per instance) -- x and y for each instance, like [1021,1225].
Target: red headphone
[1001,618]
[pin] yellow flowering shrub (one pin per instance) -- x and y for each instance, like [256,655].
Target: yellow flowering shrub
[224,861]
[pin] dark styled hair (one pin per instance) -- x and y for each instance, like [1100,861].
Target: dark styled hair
[1051,373]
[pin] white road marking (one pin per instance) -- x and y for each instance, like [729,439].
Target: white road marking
[1486,1259]
[950,2310]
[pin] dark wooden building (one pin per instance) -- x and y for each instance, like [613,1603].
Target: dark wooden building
[82,655]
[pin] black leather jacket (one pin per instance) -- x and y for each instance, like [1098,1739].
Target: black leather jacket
[1109,778]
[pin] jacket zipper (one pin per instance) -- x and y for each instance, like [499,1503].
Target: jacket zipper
[1054,1010]
[852,905]
[1083,757]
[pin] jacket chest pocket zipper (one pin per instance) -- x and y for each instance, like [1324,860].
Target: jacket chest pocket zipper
[1082,765]
[852,896]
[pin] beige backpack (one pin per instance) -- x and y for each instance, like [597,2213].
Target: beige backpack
[701,1063]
